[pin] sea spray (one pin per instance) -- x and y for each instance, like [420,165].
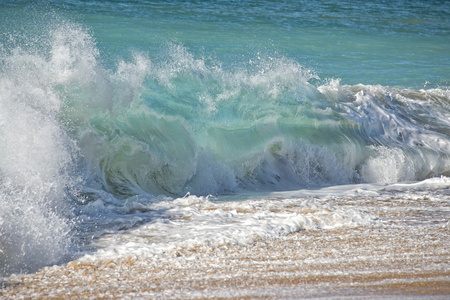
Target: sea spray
[37,155]
[87,131]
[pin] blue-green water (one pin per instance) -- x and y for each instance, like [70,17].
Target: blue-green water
[107,100]
[392,43]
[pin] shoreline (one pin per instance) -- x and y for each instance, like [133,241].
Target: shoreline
[265,269]
[403,254]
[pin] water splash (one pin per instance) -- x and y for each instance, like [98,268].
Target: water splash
[37,155]
[178,123]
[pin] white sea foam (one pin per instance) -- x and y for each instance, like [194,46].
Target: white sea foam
[189,223]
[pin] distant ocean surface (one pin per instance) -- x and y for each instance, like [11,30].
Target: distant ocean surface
[125,124]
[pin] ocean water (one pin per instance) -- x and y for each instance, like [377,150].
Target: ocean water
[143,127]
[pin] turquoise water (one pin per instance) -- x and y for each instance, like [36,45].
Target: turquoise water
[392,43]
[103,101]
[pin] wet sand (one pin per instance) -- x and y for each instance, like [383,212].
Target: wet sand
[401,256]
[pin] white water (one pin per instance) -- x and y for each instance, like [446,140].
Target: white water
[85,150]
[193,222]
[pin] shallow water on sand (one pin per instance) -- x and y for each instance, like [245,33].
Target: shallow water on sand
[394,241]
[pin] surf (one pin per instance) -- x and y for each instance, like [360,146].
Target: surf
[81,137]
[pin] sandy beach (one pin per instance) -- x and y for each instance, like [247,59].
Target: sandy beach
[366,261]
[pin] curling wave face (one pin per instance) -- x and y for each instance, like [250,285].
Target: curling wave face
[185,124]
